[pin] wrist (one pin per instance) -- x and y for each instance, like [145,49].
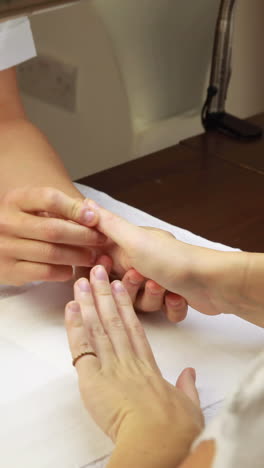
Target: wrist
[150,446]
[221,277]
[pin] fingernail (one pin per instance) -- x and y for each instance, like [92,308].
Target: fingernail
[73,307]
[118,287]
[83,285]
[100,273]
[88,216]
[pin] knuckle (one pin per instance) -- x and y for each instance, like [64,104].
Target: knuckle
[137,329]
[5,223]
[96,330]
[49,273]
[51,198]
[114,323]
[84,346]
[75,210]
[52,253]
[51,231]
[11,196]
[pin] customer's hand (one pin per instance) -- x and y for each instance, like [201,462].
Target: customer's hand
[35,247]
[122,387]
[210,281]
[146,295]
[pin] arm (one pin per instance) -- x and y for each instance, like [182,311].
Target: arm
[24,147]
[211,281]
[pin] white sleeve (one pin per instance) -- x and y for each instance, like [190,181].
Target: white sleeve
[238,430]
[16,42]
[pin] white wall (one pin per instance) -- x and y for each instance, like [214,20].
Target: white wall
[142,74]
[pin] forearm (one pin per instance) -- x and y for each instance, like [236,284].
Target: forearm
[235,281]
[251,293]
[27,158]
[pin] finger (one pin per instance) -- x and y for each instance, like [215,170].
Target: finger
[43,252]
[79,341]
[186,383]
[133,282]
[33,199]
[108,313]
[175,307]
[132,325]
[84,272]
[26,272]
[151,298]
[106,262]
[118,229]
[92,323]
[54,230]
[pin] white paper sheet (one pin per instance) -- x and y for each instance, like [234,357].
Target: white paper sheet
[44,424]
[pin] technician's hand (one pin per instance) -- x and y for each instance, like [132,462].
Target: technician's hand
[121,386]
[34,247]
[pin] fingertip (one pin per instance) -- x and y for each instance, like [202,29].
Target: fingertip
[89,217]
[186,383]
[106,262]
[154,287]
[133,276]
[176,308]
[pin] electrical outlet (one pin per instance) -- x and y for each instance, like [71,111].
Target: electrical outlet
[49,80]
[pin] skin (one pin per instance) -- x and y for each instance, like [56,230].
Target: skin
[122,386]
[212,282]
[123,383]
[37,201]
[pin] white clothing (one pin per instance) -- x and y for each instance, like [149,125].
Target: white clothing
[16,42]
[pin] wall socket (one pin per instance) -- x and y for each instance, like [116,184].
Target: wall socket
[49,80]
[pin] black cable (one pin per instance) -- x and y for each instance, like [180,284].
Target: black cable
[211,93]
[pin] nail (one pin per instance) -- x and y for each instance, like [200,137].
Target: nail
[88,216]
[118,287]
[175,302]
[100,273]
[83,285]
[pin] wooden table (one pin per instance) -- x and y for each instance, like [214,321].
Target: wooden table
[209,184]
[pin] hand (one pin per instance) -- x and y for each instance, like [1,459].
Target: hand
[146,295]
[35,248]
[210,281]
[122,387]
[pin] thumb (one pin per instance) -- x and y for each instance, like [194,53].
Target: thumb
[113,226]
[186,383]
